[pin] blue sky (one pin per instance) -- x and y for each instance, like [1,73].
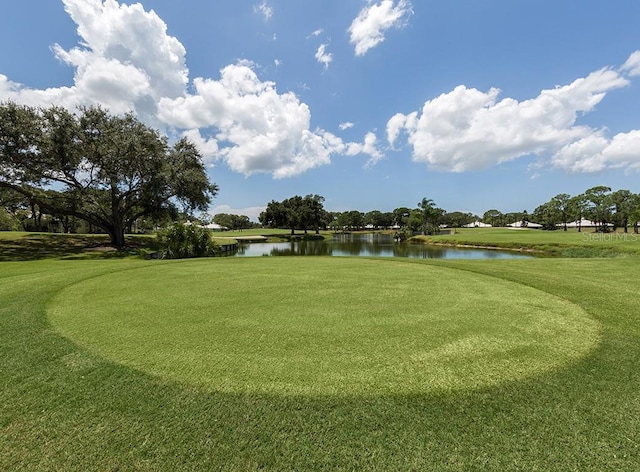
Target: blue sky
[476,104]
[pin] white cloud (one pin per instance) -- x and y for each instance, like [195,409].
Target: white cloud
[324,57]
[368,28]
[126,61]
[467,129]
[595,153]
[264,9]
[368,147]
[258,129]
[346,125]
[632,66]
[316,33]
[208,147]
[277,62]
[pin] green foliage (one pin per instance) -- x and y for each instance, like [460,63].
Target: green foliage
[111,170]
[233,222]
[181,241]
[9,222]
[296,213]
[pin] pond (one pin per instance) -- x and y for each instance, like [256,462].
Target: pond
[374,245]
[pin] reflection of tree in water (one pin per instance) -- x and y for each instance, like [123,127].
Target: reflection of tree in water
[363,244]
[381,245]
[417,251]
[303,248]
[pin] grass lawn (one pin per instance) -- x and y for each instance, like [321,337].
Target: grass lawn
[320,364]
[567,244]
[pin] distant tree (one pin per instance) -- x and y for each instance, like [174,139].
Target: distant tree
[231,221]
[634,214]
[429,215]
[579,206]
[415,221]
[561,204]
[401,216]
[458,219]
[274,216]
[354,219]
[378,219]
[547,215]
[109,170]
[315,214]
[296,213]
[492,217]
[622,201]
[600,205]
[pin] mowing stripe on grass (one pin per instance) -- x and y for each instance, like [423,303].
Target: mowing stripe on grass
[323,326]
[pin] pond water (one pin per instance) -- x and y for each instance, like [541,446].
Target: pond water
[378,245]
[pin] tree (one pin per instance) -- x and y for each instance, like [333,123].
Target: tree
[579,206]
[622,201]
[315,214]
[427,206]
[107,170]
[401,216]
[274,215]
[634,214]
[561,204]
[547,215]
[296,213]
[457,219]
[492,217]
[231,221]
[600,205]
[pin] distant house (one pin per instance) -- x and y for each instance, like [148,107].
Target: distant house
[583,223]
[524,224]
[215,227]
[477,224]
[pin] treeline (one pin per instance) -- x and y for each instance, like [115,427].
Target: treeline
[607,209]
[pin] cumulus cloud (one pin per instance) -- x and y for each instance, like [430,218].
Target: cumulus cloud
[595,153]
[368,28]
[126,61]
[316,33]
[369,147]
[258,129]
[468,129]
[324,57]
[345,125]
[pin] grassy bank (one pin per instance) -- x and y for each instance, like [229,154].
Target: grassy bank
[559,243]
[70,400]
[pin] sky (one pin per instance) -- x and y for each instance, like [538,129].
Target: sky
[373,104]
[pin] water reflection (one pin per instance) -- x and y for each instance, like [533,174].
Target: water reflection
[378,245]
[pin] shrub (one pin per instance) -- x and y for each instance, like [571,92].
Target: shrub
[180,241]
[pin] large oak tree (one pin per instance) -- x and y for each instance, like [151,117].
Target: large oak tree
[104,169]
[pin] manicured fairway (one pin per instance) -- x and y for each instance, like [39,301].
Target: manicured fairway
[322,326]
[78,394]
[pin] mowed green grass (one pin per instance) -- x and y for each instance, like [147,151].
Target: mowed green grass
[69,400]
[570,243]
[323,326]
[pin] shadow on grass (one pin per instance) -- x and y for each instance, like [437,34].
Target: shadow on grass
[64,408]
[37,246]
